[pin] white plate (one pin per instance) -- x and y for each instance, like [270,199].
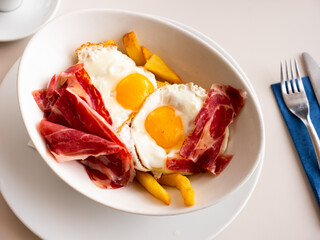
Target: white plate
[26,19]
[52,210]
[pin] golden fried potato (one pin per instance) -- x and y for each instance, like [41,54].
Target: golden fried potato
[152,186]
[133,48]
[146,53]
[182,183]
[157,66]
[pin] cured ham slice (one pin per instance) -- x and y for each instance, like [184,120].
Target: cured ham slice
[104,171]
[77,80]
[186,166]
[222,161]
[68,144]
[204,145]
[183,165]
[43,101]
[74,112]
[77,126]
[103,159]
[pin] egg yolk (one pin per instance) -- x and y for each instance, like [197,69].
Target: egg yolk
[132,90]
[165,127]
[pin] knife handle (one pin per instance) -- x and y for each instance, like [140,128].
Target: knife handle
[314,138]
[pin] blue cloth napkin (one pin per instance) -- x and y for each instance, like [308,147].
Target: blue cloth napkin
[300,134]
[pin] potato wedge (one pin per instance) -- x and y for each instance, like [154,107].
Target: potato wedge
[146,53]
[182,183]
[152,186]
[133,48]
[157,66]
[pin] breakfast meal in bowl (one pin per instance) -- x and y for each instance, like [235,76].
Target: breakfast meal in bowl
[127,116]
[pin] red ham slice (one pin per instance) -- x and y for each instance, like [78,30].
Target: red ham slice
[68,144]
[203,145]
[221,162]
[73,111]
[107,171]
[77,80]
[183,165]
[43,101]
[77,126]
[104,160]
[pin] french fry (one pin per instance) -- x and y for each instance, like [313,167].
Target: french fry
[152,186]
[182,183]
[157,66]
[133,48]
[146,53]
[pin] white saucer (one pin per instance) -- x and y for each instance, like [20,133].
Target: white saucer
[53,210]
[26,19]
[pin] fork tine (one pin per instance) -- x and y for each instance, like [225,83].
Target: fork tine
[294,84]
[288,79]
[283,82]
[300,83]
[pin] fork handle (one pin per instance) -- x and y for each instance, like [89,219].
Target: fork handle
[314,138]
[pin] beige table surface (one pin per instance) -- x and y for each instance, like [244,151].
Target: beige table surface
[257,34]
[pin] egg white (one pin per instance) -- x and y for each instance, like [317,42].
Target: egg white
[106,67]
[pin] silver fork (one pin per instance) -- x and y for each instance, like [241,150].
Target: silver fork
[296,100]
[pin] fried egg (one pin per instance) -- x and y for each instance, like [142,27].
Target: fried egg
[166,118]
[123,85]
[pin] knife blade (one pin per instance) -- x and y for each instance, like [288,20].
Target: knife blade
[313,71]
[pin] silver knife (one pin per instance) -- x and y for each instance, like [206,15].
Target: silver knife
[313,71]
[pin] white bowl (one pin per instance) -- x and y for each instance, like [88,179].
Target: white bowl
[51,50]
